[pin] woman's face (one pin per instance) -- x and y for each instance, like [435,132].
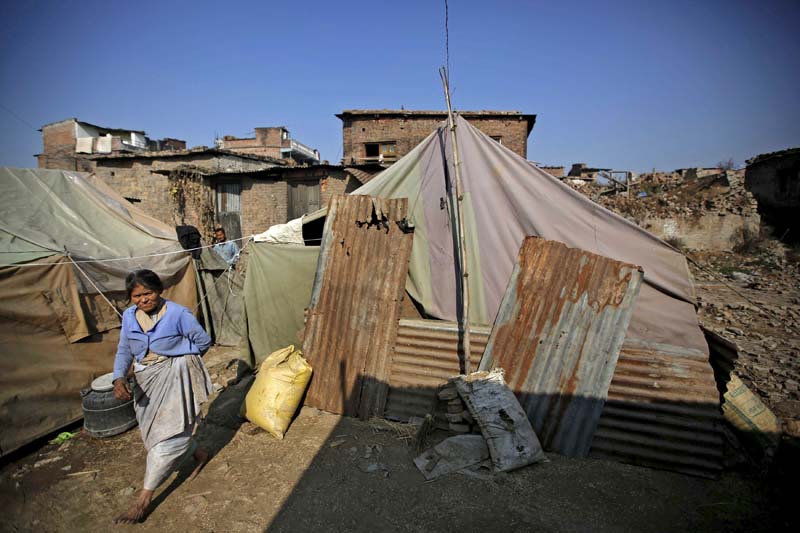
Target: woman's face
[145,299]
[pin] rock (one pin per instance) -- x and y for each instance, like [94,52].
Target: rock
[792,428]
[43,462]
[740,276]
[127,491]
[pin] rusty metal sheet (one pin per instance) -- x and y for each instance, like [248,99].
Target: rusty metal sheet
[557,336]
[355,303]
[662,411]
[425,356]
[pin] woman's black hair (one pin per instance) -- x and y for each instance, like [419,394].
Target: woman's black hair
[146,278]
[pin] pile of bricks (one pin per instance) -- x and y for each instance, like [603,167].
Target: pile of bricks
[451,413]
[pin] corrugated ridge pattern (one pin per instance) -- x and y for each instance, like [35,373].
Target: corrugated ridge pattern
[662,411]
[355,304]
[557,336]
[425,356]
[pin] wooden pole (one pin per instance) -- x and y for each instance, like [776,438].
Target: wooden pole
[463,325]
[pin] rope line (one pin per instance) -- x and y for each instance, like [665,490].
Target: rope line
[112,259]
[114,307]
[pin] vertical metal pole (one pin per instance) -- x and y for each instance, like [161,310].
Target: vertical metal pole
[463,325]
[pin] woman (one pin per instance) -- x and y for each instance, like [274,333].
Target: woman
[164,343]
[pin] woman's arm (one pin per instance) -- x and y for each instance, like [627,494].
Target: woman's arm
[124,357]
[192,330]
[122,363]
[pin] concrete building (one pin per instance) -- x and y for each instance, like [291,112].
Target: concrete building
[384,136]
[68,144]
[274,142]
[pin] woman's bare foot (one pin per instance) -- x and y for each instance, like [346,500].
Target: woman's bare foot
[200,458]
[138,510]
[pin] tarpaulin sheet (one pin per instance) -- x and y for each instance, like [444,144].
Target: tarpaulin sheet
[46,212]
[223,288]
[277,290]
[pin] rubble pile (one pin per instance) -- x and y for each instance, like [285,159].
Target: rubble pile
[752,299]
[669,196]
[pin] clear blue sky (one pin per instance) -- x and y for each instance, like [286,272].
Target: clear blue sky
[630,85]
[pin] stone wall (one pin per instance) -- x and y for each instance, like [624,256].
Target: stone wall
[776,181]
[714,231]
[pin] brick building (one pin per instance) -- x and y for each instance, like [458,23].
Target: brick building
[69,144]
[373,136]
[144,178]
[256,200]
[245,193]
[274,142]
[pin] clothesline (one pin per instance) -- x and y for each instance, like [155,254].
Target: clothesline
[160,254]
[112,259]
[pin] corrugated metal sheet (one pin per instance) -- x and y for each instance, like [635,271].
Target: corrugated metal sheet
[662,411]
[425,356]
[355,304]
[557,335]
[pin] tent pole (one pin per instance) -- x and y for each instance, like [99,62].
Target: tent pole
[463,325]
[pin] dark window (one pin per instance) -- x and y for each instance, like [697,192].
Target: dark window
[371,149]
[498,138]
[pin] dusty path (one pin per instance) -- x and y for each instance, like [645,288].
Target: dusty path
[339,474]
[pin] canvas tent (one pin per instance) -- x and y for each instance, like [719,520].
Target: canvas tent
[62,235]
[507,198]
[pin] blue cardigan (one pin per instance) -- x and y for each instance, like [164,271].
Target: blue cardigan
[177,333]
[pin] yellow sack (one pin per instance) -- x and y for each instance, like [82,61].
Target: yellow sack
[280,383]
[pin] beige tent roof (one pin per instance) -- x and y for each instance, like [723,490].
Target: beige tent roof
[507,198]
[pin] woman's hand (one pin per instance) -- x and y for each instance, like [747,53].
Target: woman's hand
[121,391]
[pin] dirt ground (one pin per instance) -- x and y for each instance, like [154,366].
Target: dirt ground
[339,474]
